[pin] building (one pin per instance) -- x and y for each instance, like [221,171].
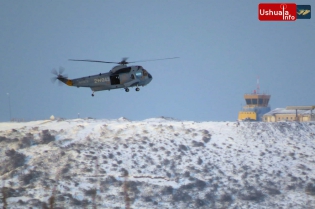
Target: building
[290,113]
[256,106]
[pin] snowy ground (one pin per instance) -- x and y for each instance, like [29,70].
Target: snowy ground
[157,163]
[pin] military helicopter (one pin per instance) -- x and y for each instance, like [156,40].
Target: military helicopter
[120,76]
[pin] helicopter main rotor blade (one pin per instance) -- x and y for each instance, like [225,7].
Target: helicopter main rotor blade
[124,60]
[154,59]
[93,61]
[54,71]
[53,79]
[61,70]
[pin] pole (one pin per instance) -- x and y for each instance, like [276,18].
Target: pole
[9,105]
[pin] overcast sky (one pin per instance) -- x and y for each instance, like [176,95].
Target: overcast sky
[222,46]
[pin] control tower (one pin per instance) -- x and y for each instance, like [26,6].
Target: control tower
[256,106]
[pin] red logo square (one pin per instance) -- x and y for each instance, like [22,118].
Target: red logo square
[277,12]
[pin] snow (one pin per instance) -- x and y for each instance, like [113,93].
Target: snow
[169,163]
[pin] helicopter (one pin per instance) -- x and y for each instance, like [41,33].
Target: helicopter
[120,76]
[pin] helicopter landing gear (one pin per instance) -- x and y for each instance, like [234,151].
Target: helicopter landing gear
[126,89]
[137,89]
[93,94]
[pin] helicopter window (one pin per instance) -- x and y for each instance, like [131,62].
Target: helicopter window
[132,76]
[139,74]
[145,73]
[124,70]
[114,79]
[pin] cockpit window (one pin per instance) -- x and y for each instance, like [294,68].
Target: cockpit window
[139,73]
[123,70]
[145,73]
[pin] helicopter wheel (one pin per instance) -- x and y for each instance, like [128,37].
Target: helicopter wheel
[137,89]
[126,89]
[92,95]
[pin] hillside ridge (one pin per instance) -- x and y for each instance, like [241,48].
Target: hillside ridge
[157,163]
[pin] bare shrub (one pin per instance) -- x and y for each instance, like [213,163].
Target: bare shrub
[188,186]
[124,172]
[167,190]
[205,131]
[199,161]
[169,175]
[110,156]
[133,186]
[200,184]
[199,203]
[226,197]
[87,169]
[210,197]
[77,202]
[46,137]
[251,194]
[11,192]
[272,191]
[90,192]
[30,177]
[14,160]
[181,196]
[148,199]
[206,139]
[3,139]
[182,147]
[166,162]
[197,144]
[35,203]
[290,187]
[110,180]
[26,141]
[65,169]
[310,189]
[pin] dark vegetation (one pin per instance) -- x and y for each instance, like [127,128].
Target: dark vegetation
[26,141]
[46,137]
[30,177]
[12,161]
[251,194]
[310,189]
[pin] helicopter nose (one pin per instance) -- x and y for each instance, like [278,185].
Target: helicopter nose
[150,76]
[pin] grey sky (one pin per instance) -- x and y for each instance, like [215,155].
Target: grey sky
[222,46]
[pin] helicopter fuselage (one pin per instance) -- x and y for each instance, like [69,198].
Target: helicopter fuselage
[120,76]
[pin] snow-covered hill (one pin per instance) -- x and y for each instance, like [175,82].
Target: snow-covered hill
[157,163]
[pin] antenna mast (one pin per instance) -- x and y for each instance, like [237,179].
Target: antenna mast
[258,85]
